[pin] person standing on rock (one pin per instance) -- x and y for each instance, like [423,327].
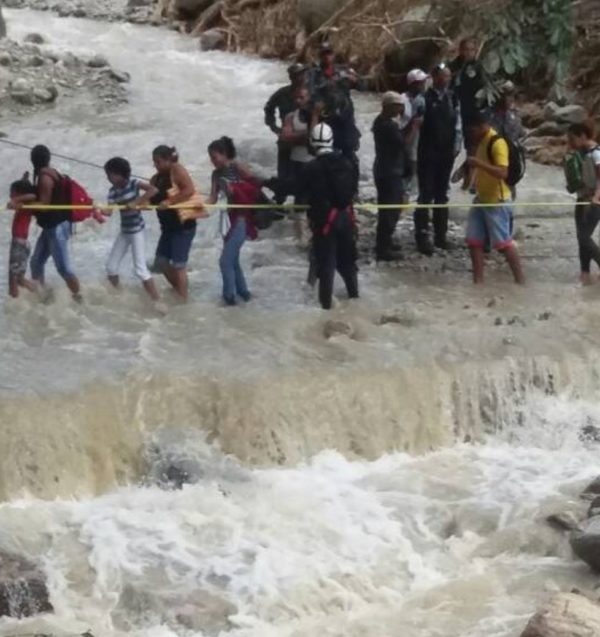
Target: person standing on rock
[330,85]
[282,103]
[330,182]
[582,140]
[491,214]
[391,170]
[55,224]
[440,142]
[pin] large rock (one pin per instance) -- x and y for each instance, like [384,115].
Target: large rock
[34,38]
[183,9]
[97,62]
[23,591]
[212,40]
[313,13]
[21,91]
[586,543]
[566,615]
[572,114]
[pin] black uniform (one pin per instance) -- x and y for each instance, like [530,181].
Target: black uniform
[330,183]
[437,149]
[281,103]
[468,80]
[391,168]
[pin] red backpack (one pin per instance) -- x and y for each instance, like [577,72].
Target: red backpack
[244,193]
[72,193]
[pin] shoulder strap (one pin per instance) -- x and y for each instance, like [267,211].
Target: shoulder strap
[490,147]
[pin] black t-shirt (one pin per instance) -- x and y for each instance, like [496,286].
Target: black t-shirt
[48,219]
[168,219]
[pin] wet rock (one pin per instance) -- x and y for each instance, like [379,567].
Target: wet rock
[23,591]
[70,61]
[551,129]
[404,317]
[544,316]
[565,615]
[212,40]
[586,543]
[120,76]
[5,59]
[21,91]
[592,489]
[498,322]
[79,12]
[532,114]
[34,38]
[571,114]
[97,62]
[34,61]
[45,95]
[589,433]
[517,320]
[337,328]
[565,521]
[594,509]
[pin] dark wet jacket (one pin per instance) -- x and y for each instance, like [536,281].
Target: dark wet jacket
[329,182]
[391,153]
[439,130]
[469,79]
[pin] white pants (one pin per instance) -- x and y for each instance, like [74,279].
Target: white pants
[120,247]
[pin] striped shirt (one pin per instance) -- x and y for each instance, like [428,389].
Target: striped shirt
[131,220]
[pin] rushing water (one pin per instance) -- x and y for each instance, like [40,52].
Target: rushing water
[450,542]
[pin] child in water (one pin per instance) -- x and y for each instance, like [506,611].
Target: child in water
[21,192]
[126,191]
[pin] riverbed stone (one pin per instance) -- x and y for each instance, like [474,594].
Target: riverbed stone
[21,91]
[337,328]
[565,615]
[571,114]
[564,521]
[592,489]
[23,590]
[212,40]
[34,38]
[586,543]
[97,62]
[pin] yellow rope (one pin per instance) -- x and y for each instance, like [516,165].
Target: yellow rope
[373,207]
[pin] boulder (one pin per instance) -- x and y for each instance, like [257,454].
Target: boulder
[45,95]
[313,13]
[532,114]
[565,615]
[592,489]
[2,24]
[23,591]
[34,61]
[21,91]
[549,129]
[586,543]
[212,40]
[572,114]
[184,9]
[565,521]
[34,38]
[337,328]
[5,59]
[70,61]
[97,62]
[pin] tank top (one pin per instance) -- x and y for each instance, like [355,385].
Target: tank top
[300,151]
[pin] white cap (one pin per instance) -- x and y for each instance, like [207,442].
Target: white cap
[416,75]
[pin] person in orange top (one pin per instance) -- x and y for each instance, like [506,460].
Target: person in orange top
[493,220]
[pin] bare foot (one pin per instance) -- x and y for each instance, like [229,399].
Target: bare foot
[586,278]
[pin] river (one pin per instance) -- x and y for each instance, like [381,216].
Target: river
[394,482]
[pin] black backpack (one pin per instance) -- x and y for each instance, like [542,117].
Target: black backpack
[517,163]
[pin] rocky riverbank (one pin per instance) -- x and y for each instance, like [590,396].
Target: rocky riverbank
[34,76]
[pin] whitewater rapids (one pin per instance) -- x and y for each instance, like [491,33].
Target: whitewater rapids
[390,482]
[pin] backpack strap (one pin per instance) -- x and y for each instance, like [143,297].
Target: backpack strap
[490,148]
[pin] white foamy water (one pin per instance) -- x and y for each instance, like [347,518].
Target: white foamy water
[98,397]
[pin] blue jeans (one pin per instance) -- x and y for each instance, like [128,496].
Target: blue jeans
[53,242]
[231,270]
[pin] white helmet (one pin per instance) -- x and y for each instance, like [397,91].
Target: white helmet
[321,139]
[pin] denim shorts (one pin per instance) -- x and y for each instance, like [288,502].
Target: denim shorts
[18,257]
[52,242]
[493,222]
[174,247]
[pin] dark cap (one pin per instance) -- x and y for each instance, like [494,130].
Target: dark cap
[326,47]
[296,69]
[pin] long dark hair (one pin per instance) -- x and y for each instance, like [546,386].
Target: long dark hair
[166,152]
[40,158]
[223,146]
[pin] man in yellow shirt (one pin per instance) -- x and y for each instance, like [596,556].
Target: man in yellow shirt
[491,220]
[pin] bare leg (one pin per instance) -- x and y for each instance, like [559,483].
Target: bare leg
[178,279]
[512,258]
[586,278]
[13,286]
[150,287]
[114,280]
[478,261]
[24,282]
[73,285]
